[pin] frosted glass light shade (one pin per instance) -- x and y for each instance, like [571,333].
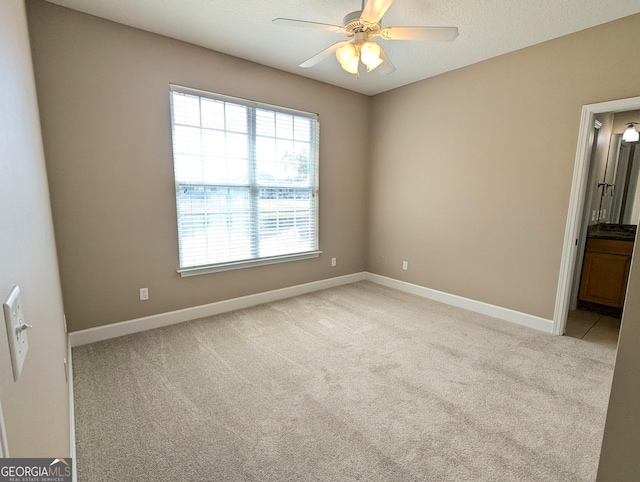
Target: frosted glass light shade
[370,55]
[352,66]
[346,56]
[631,134]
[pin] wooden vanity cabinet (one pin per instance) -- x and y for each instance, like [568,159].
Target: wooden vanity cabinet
[605,271]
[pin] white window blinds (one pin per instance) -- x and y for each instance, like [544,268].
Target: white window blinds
[246,181]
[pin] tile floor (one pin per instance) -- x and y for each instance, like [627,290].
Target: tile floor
[593,327]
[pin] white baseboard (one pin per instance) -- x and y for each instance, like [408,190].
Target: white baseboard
[466,303]
[114,330]
[92,335]
[72,416]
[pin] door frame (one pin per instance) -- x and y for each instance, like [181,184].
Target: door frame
[576,203]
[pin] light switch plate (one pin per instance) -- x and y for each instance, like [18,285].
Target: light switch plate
[16,330]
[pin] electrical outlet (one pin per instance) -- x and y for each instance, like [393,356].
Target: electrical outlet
[405,265]
[382,260]
[16,330]
[144,294]
[333,261]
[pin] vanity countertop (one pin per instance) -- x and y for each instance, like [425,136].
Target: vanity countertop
[622,232]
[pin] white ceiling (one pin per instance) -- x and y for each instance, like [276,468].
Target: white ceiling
[243,28]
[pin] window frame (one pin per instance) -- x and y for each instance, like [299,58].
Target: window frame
[312,186]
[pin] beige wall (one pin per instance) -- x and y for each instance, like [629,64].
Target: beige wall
[621,120]
[103,92]
[36,407]
[619,460]
[471,170]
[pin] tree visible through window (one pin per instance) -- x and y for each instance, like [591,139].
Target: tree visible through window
[246,181]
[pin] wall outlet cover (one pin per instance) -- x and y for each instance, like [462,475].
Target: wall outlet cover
[16,330]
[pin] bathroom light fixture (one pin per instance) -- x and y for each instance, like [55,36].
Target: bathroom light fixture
[631,134]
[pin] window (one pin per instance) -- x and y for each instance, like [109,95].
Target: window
[246,182]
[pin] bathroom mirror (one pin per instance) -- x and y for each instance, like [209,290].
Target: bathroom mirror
[619,190]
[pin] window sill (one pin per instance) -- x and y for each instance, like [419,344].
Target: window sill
[217,268]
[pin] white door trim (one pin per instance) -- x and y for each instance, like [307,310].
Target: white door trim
[576,203]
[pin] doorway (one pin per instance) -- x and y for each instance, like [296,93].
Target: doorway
[585,321]
[572,247]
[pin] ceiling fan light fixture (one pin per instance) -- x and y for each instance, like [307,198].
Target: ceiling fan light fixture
[372,66]
[370,55]
[352,66]
[345,54]
[631,134]
[348,57]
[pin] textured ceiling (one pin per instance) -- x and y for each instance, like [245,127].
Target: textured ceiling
[243,28]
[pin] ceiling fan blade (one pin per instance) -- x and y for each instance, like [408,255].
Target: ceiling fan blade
[438,34]
[303,23]
[386,67]
[316,59]
[374,10]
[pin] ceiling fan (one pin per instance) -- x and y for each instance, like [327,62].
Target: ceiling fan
[359,27]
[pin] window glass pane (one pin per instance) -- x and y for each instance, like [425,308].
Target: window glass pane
[187,140]
[284,126]
[265,150]
[284,150]
[188,168]
[265,123]
[214,224]
[236,145]
[213,143]
[236,117]
[212,114]
[302,162]
[286,221]
[186,110]
[302,129]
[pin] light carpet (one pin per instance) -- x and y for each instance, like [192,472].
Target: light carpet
[359,382]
